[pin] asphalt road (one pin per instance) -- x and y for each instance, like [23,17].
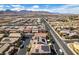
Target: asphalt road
[23,50]
[60,43]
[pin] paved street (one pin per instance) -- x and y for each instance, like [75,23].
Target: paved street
[23,50]
[58,40]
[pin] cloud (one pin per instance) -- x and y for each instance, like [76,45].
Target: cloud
[18,9]
[70,8]
[16,5]
[38,8]
[35,6]
[7,6]
[64,9]
[1,6]
[2,9]
[73,9]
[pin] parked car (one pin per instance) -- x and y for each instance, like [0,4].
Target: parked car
[22,45]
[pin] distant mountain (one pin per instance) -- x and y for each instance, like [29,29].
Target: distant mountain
[24,11]
[55,13]
[8,11]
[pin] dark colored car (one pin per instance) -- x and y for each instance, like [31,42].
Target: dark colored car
[22,45]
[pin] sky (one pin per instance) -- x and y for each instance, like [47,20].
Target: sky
[54,8]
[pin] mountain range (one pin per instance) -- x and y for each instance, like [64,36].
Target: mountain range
[8,11]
